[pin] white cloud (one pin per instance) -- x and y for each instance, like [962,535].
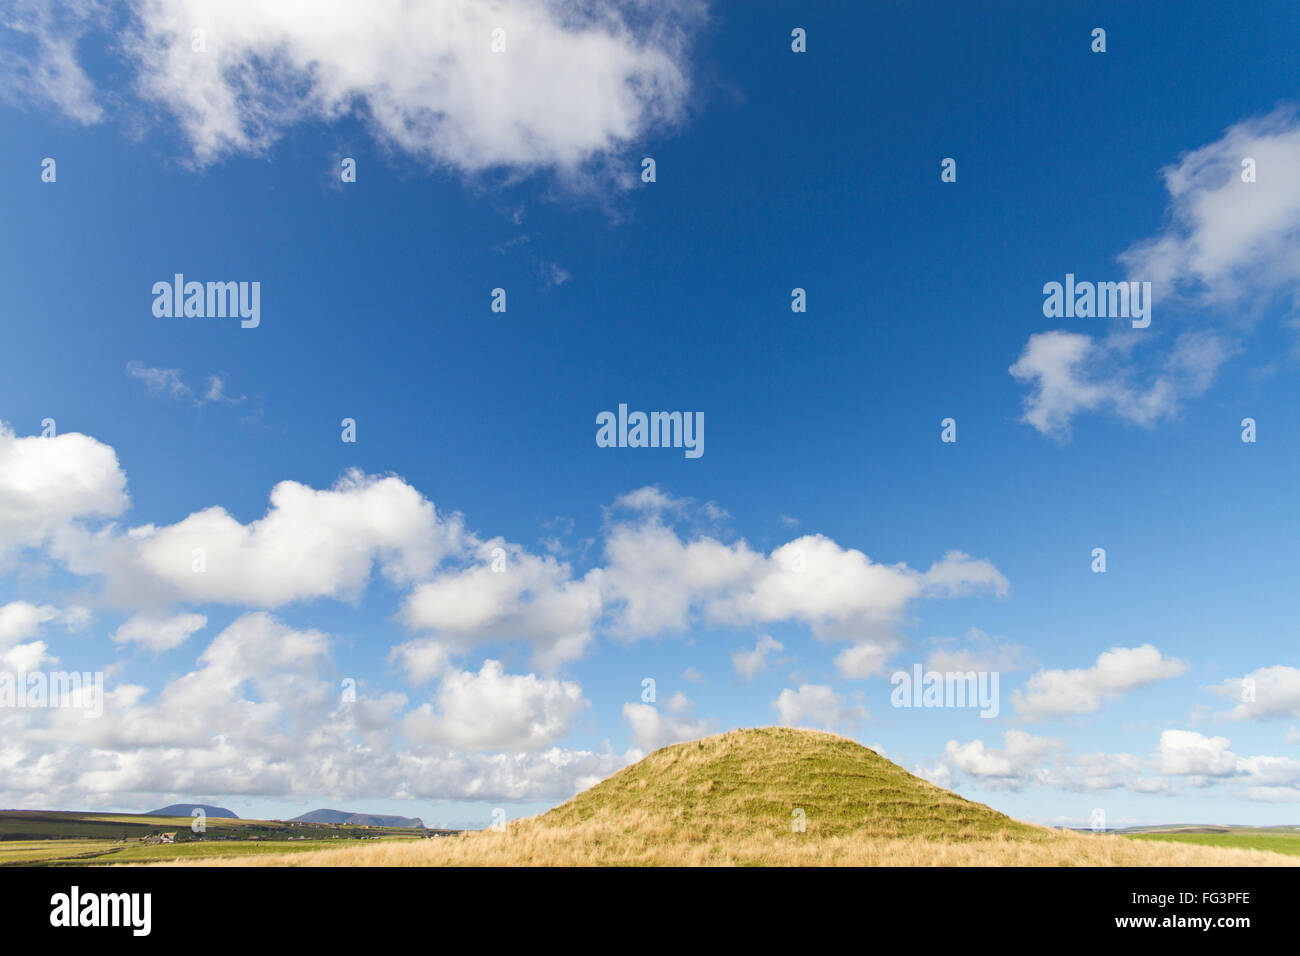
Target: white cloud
[1275,691]
[749,662]
[492,710]
[532,599]
[1070,373]
[25,658]
[575,83]
[462,590]
[1182,758]
[1228,239]
[159,381]
[1187,753]
[310,544]
[654,581]
[1230,248]
[39,61]
[1011,768]
[1053,693]
[422,659]
[21,620]
[979,653]
[865,660]
[1103,771]
[938,774]
[816,705]
[650,499]
[652,578]
[257,717]
[1270,778]
[653,728]
[159,633]
[46,484]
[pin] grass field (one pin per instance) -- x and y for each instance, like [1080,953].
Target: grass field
[53,838]
[735,799]
[1244,838]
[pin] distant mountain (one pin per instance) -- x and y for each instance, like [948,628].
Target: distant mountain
[187,809]
[357,819]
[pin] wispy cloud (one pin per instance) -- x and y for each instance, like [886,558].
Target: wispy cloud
[1230,251]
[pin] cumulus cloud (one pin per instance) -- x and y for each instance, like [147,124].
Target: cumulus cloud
[1181,759]
[1025,760]
[259,716]
[21,620]
[259,712]
[492,710]
[509,595]
[1104,771]
[749,662]
[1016,764]
[653,728]
[572,84]
[1263,694]
[310,544]
[1054,693]
[47,484]
[816,705]
[460,590]
[655,581]
[1189,754]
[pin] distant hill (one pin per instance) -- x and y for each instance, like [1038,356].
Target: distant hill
[348,818]
[187,809]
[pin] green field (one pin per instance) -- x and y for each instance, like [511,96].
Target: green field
[56,838]
[1274,839]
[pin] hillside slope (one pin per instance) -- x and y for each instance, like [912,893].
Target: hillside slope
[747,782]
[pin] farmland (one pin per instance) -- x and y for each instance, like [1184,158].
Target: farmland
[52,838]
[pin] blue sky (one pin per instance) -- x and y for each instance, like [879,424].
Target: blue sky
[520,170]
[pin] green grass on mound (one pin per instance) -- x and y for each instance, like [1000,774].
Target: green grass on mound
[751,781]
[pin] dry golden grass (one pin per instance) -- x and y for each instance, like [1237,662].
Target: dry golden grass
[530,845]
[730,800]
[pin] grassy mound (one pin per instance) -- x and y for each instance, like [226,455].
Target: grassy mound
[750,782]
